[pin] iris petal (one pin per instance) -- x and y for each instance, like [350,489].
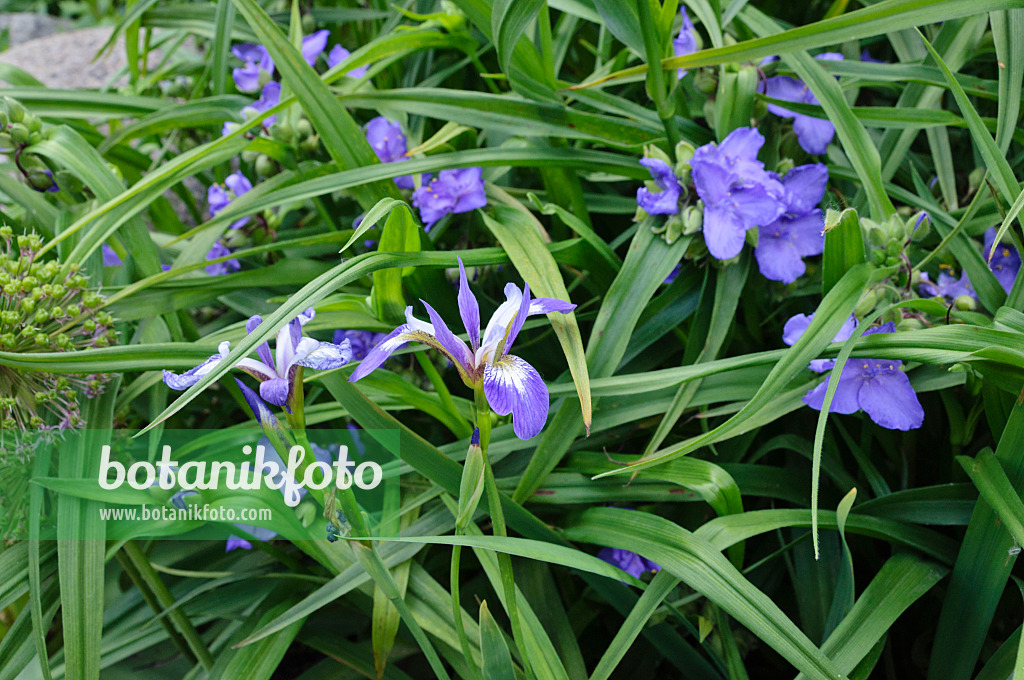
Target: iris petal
[513,386]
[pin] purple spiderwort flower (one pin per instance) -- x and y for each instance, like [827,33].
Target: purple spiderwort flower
[797,233]
[257,59]
[339,54]
[388,142]
[866,56]
[948,286]
[52,189]
[737,192]
[666,201]
[795,327]
[220,268]
[452,191]
[814,134]
[672,275]
[110,258]
[628,561]
[360,342]
[219,196]
[510,384]
[269,98]
[1005,263]
[876,386]
[277,372]
[686,42]
[313,45]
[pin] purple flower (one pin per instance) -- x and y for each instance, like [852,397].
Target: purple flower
[219,196]
[220,268]
[795,327]
[313,45]
[737,192]
[257,59]
[269,98]
[666,201]
[1005,263]
[452,191]
[797,232]
[814,134]
[510,384]
[628,561]
[879,387]
[52,189]
[948,286]
[686,42]
[339,54]
[671,278]
[388,142]
[360,342]
[110,258]
[866,56]
[277,372]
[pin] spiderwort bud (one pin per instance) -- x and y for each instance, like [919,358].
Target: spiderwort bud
[693,219]
[705,81]
[965,303]
[19,133]
[15,110]
[265,166]
[308,24]
[472,485]
[40,180]
[866,304]
[975,179]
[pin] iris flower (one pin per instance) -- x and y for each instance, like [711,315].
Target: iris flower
[278,371]
[510,384]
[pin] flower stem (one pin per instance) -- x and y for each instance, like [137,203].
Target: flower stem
[460,626]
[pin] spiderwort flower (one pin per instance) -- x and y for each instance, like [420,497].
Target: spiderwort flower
[509,383]
[220,268]
[686,42]
[277,372]
[628,561]
[666,201]
[795,327]
[257,61]
[737,192]
[452,191]
[339,54]
[387,141]
[219,196]
[948,286]
[1005,263]
[814,134]
[877,386]
[313,45]
[110,257]
[269,98]
[796,234]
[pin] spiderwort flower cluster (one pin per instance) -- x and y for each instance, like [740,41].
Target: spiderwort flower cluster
[510,384]
[452,191]
[278,371]
[219,196]
[813,134]
[879,387]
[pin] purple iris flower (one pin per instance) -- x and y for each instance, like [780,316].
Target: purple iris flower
[628,561]
[256,58]
[219,196]
[1005,263]
[686,42]
[360,342]
[452,191]
[277,372]
[814,134]
[388,142]
[220,268]
[797,233]
[948,286]
[879,387]
[110,258]
[666,201]
[269,98]
[510,384]
[795,327]
[313,45]
[738,193]
[339,54]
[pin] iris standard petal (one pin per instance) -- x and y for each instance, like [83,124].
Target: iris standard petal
[327,356]
[264,416]
[513,386]
[546,305]
[469,308]
[392,342]
[264,349]
[518,321]
[275,391]
[450,344]
[888,398]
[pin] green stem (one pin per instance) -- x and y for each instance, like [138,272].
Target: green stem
[460,626]
[656,74]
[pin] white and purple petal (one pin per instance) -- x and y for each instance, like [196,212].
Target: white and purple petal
[327,356]
[469,309]
[513,386]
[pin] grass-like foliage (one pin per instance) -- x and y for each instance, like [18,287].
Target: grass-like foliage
[607,339]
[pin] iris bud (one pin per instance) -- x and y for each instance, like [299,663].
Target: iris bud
[472,485]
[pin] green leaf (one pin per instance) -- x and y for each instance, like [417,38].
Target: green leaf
[844,247]
[497,661]
[401,234]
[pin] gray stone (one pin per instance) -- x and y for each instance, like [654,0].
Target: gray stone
[65,60]
[24,26]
